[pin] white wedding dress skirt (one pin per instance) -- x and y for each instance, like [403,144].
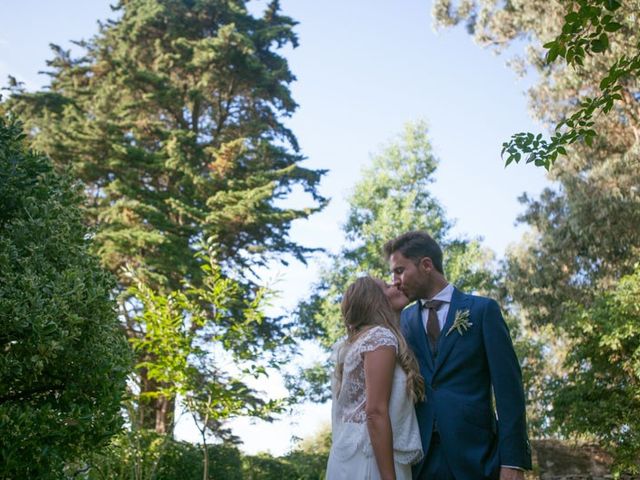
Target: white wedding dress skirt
[362,467]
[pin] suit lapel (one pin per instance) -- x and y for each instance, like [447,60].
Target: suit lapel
[459,301]
[418,332]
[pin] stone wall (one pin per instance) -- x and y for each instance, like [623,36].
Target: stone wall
[558,460]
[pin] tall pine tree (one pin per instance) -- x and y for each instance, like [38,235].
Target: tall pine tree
[173,119]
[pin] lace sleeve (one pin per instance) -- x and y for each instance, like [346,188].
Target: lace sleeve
[376,338]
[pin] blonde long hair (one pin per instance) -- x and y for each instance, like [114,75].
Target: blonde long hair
[364,306]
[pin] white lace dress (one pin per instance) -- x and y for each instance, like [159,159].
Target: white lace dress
[351,455]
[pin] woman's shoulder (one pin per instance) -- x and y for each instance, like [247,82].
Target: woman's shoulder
[375,337]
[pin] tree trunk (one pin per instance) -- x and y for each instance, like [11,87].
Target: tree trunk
[164,409]
[157,413]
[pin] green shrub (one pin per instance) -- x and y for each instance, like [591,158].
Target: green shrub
[265,467]
[146,455]
[63,360]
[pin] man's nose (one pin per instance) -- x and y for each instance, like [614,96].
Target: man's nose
[396,280]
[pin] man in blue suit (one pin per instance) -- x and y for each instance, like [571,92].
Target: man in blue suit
[465,355]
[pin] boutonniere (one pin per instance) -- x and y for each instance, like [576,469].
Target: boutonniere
[461,322]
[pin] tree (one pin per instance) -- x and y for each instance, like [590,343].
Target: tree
[599,42]
[585,239]
[587,224]
[307,461]
[392,197]
[600,394]
[64,356]
[172,118]
[187,342]
[147,455]
[311,455]
[586,227]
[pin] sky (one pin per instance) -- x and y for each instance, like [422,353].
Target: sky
[364,69]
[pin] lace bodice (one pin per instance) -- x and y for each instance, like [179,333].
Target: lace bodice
[350,394]
[349,429]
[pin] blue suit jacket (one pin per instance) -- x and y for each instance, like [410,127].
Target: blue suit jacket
[459,383]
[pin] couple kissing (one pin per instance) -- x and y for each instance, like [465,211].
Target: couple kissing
[426,383]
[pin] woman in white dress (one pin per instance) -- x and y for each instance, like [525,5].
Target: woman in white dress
[375,384]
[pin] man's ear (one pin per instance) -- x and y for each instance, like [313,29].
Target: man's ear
[426,263]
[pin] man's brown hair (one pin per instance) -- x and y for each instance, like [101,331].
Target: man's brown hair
[414,246]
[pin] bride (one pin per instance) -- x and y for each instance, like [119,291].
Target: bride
[376,381]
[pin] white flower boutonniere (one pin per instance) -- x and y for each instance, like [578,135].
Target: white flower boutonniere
[461,322]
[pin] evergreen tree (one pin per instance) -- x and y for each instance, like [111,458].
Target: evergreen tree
[173,119]
[393,196]
[64,357]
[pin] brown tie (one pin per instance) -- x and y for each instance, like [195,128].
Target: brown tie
[433,325]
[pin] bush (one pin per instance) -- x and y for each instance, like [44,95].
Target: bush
[145,454]
[265,467]
[64,360]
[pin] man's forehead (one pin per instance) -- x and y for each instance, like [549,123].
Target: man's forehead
[397,258]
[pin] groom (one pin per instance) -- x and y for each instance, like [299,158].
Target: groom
[465,354]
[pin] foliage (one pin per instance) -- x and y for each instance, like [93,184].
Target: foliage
[599,42]
[585,31]
[264,466]
[193,348]
[146,455]
[392,197]
[173,119]
[306,462]
[64,358]
[311,455]
[600,395]
[585,239]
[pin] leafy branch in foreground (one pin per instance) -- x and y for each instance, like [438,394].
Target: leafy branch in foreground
[585,32]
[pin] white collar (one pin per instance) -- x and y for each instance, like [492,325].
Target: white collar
[443,295]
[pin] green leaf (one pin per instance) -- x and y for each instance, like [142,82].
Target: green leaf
[553,53]
[598,45]
[588,140]
[605,82]
[612,27]
[612,5]
[572,17]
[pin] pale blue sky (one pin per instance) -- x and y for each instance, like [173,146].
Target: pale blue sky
[364,68]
